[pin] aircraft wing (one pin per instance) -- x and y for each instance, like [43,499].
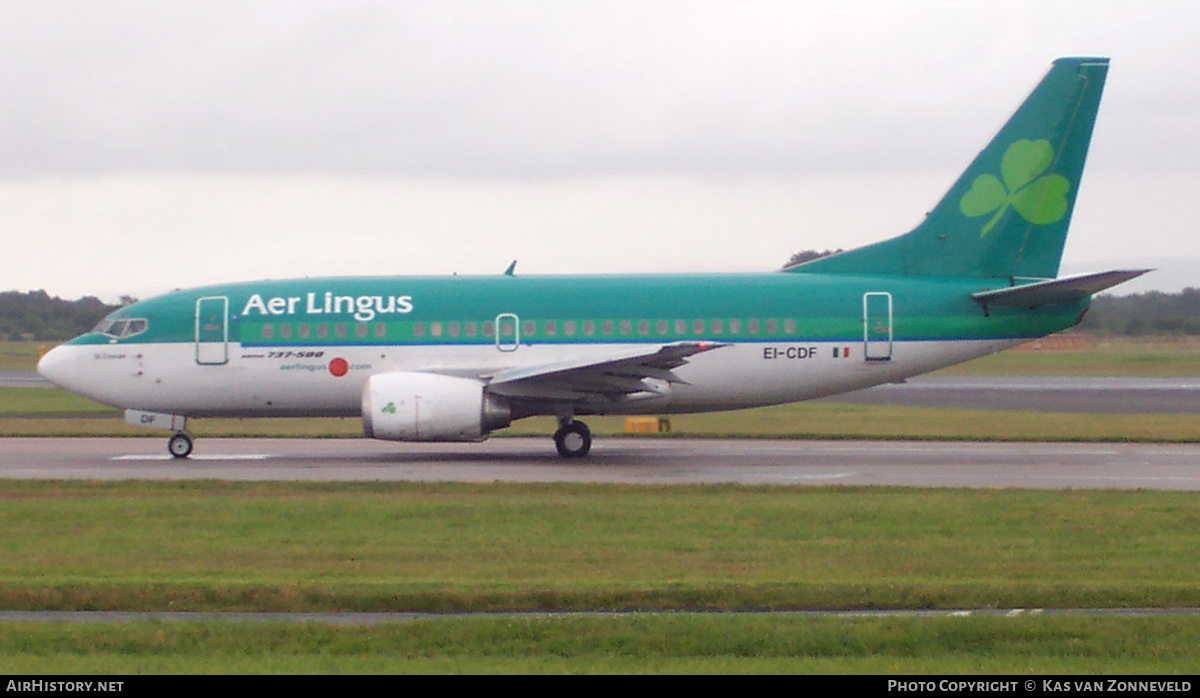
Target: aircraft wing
[643,370]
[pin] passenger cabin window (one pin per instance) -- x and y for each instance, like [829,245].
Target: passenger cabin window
[127,327]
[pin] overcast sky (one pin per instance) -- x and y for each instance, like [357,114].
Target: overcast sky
[148,145]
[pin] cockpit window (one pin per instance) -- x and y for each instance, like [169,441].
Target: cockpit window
[121,329]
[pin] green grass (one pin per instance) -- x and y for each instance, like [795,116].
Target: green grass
[1152,357]
[22,356]
[441,547]
[43,401]
[651,644]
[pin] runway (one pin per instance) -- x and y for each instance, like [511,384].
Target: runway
[651,461]
[684,461]
[23,379]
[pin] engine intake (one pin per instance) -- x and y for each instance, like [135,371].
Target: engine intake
[410,406]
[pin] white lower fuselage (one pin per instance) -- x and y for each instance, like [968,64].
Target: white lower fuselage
[298,381]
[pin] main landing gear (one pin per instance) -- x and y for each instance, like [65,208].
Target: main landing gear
[180,445]
[573,439]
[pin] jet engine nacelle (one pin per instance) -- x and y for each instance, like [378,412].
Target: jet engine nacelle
[406,406]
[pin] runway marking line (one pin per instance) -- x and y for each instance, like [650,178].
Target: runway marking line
[813,476]
[218,456]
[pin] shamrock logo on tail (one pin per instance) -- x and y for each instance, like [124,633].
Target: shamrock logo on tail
[1040,199]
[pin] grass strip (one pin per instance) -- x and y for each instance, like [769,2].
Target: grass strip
[1136,357]
[446,547]
[670,643]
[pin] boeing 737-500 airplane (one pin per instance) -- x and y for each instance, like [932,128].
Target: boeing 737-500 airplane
[453,358]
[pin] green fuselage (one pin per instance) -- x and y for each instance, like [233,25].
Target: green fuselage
[460,310]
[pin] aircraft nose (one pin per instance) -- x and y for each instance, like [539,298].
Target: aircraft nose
[75,368]
[59,367]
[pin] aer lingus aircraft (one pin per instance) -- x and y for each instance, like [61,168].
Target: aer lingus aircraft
[453,358]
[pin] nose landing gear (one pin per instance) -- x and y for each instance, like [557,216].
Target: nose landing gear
[180,445]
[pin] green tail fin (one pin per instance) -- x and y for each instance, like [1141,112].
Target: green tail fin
[1007,215]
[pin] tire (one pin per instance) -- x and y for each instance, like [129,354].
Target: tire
[180,445]
[573,440]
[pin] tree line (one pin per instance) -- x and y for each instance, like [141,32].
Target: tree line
[1143,314]
[37,316]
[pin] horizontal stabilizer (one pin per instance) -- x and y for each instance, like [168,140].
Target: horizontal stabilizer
[1066,290]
